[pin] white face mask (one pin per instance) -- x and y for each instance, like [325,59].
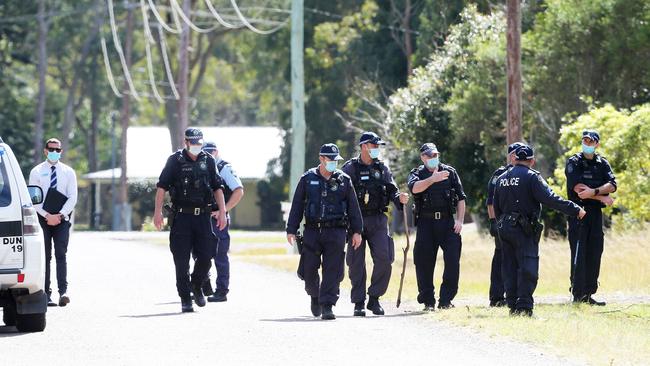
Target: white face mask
[195,149]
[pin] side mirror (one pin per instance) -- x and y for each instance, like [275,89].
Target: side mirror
[36,193]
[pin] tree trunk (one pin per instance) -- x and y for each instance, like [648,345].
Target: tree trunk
[183,76]
[68,115]
[513,67]
[42,69]
[124,122]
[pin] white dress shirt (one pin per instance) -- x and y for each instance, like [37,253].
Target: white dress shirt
[66,184]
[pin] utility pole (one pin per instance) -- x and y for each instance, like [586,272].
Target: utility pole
[297,95]
[513,69]
[183,77]
[42,68]
[123,207]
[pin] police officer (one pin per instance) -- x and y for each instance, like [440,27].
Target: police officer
[326,198]
[517,198]
[191,177]
[590,180]
[438,193]
[497,290]
[375,188]
[233,193]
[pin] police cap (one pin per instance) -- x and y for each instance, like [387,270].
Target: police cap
[514,146]
[525,152]
[591,134]
[194,136]
[371,137]
[210,147]
[330,151]
[428,149]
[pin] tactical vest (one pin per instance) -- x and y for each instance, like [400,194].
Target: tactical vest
[325,200]
[192,185]
[439,197]
[370,186]
[227,192]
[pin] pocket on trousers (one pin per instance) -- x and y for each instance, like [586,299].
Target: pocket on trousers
[391,249]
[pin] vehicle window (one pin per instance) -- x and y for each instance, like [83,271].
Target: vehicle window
[5,189]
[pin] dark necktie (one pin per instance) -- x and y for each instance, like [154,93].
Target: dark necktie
[53,177]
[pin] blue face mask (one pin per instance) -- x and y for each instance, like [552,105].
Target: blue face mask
[374,153]
[53,156]
[588,149]
[195,149]
[433,162]
[330,166]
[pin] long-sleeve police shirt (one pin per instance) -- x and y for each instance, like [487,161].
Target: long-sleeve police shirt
[299,199]
[522,190]
[493,183]
[171,170]
[391,187]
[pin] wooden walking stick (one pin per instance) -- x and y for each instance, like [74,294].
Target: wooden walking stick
[405,250]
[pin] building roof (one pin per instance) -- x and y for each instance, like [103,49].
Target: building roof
[248,149]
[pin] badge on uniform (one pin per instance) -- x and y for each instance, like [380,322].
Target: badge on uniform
[203,166]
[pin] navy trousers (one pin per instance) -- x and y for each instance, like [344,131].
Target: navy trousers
[520,265]
[586,240]
[191,234]
[431,235]
[326,248]
[60,235]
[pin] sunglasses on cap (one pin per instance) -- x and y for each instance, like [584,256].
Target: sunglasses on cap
[53,149]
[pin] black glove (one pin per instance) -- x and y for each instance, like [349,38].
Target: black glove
[493,227]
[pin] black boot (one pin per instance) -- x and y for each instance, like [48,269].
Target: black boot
[592,301]
[315,306]
[374,306]
[498,303]
[218,297]
[207,288]
[445,305]
[199,299]
[429,307]
[328,314]
[186,306]
[358,309]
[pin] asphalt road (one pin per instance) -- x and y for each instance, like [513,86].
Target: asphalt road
[125,310]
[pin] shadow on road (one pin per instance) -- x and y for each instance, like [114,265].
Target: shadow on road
[144,316]
[6,331]
[312,318]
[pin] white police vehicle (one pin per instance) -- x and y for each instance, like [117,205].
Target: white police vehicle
[22,253]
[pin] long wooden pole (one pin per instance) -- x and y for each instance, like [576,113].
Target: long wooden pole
[513,67]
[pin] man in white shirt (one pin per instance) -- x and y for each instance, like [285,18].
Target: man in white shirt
[54,175]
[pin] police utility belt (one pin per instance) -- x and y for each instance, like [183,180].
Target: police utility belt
[342,223]
[436,215]
[196,211]
[528,225]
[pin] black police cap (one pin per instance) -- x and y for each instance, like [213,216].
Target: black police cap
[514,146]
[371,137]
[591,134]
[210,146]
[525,152]
[194,135]
[331,151]
[428,149]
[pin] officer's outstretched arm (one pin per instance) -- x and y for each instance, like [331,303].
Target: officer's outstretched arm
[545,195]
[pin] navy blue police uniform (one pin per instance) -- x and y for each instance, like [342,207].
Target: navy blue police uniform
[517,198]
[191,184]
[586,237]
[497,288]
[331,211]
[434,217]
[375,189]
